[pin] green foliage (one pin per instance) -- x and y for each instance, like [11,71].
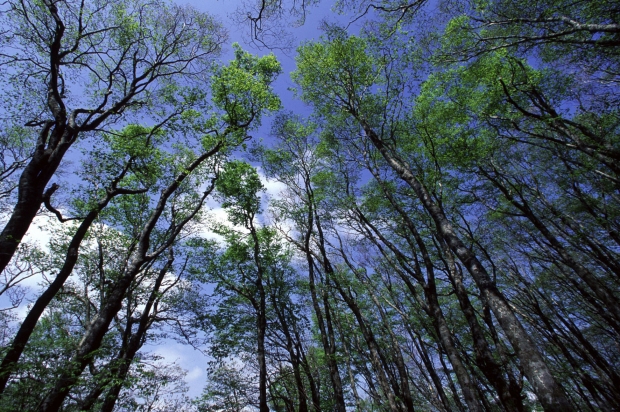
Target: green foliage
[454,106]
[238,186]
[337,73]
[242,89]
[504,112]
[227,389]
[51,346]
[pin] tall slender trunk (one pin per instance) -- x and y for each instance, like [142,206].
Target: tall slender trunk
[546,388]
[377,360]
[293,356]
[329,348]
[135,342]
[261,321]
[606,296]
[552,332]
[352,382]
[449,345]
[484,359]
[420,345]
[20,340]
[91,340]
[455,394]
[432,308]
[404,390]
[316,398]
[373,347]
[324,323]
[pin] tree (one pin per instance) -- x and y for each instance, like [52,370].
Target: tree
[347,76]
[239,186]
[514,134]
[72,68]
[240,95]
[294,163]
[447,238]
[132,172]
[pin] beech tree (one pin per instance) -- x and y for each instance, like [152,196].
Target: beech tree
[446,237]
[252,271]
[348,93]
[70,68]
[141,158]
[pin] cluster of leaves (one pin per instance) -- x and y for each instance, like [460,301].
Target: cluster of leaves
[446,239]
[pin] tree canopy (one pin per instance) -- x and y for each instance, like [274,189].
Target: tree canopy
[444,237]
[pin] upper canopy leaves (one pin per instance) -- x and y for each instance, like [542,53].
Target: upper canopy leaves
[242,89]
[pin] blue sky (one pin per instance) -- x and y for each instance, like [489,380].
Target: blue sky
[186,357]
[189,359]
[240,34]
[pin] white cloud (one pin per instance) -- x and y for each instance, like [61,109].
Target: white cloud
[273,188]
[37,236]
[195,374]
[187,358]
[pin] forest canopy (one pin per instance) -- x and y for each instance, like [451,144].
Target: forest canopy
[445,235]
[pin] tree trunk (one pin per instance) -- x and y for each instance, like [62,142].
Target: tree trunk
[293,356]
[128,353]
[373,347]
[420,345]
[27,327]
[433,309]
[31,186]
[546,388]
[405,391]
[484,359]
[91,340]
[324,323]
[607,297]
[261,322]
